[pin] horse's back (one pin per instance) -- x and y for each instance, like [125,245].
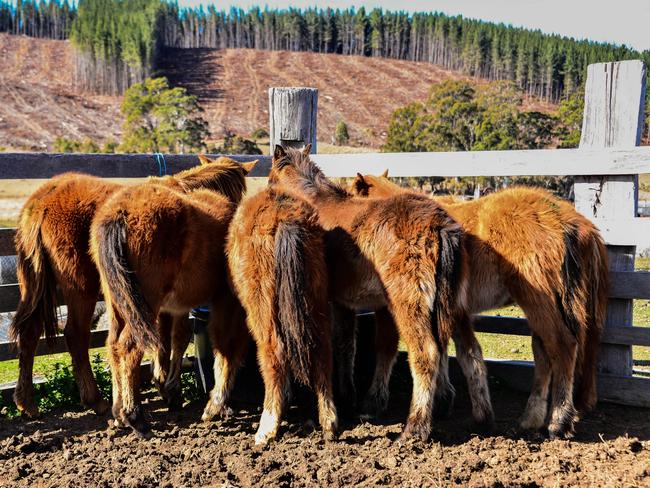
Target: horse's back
[63,209]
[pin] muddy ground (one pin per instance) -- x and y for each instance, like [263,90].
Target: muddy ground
[611,448]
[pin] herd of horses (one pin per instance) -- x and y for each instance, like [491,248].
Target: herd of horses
[289,267]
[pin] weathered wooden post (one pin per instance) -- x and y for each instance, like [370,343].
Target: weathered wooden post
[292,114]
[613,118]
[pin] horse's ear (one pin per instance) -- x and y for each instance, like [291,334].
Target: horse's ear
[306,151]
[384,174]
[279,153]
[248,167]
[360,185]
[203,160]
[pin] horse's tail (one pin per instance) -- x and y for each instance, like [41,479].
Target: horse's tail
[295,323]
[596,282]
[120,282]
[451,281]
[37,306]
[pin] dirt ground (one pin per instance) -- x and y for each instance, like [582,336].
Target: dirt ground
[611,448]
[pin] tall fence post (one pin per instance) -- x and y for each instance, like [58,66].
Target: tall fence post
[613,118]
[292,113]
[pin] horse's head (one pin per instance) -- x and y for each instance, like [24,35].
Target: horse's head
[294,170]
[223,175]
[374,186]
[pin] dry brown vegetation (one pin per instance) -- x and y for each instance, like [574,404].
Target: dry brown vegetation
[40,102]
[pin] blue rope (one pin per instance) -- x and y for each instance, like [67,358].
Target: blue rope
[162,164]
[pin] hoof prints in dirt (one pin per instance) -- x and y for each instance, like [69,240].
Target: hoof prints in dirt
[77,449]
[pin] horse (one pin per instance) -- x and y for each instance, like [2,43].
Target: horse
[276,259]
[52,243]
[161,250]
[403,253]
[528,246]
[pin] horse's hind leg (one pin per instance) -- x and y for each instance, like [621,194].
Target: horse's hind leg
[230,339]
[563,412]
[322,380]
[28,338]
[534,415]
[386,342]
[161,358]
[560,347]
[114,354]
[344,341]
[77,337]
[445,391]
[131,357]
[470,359]
[424,355]
[181,334]
[276,383]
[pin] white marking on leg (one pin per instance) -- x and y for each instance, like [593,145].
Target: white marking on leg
[268,428]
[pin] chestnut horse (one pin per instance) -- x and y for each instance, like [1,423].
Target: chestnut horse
[528,246]
[404,253]
[160,250]
[276,258]
[53,252]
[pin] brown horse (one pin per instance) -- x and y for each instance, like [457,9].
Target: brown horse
[160,250]
[53,252]
[276,257]
[527,246]
[404,253]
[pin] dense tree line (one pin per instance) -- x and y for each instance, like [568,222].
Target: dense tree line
[117,42]
[51,19]
[547,66]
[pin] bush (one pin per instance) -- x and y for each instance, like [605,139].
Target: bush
[65,145]
[234,144]
[60,389]
[341,135]
[160,118]
[260,133]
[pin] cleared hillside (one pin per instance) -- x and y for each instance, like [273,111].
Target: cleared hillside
[39,102]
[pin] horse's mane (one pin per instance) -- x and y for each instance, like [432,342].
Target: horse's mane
[223,176]
[311,179]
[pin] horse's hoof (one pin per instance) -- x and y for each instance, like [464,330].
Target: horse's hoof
[26,407]
[443,406]
[330,434]
[558,432]
[415,431]
[263,439]
[137,422]
[374,405]
[30,412]
[212,412]
[485,427]
[175,403]
[100,407]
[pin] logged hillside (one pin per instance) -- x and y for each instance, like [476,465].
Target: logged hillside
[40,104]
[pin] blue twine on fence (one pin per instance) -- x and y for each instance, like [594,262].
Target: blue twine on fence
[162,164]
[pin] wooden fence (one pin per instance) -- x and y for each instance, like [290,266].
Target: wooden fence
[606,168]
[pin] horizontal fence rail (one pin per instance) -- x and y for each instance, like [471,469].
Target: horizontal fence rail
[538,162]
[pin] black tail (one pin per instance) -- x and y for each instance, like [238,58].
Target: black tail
[121,284]
[596,280]
[37,307]
[295,322]
[450,280]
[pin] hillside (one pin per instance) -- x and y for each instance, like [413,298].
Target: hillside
[40,103]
